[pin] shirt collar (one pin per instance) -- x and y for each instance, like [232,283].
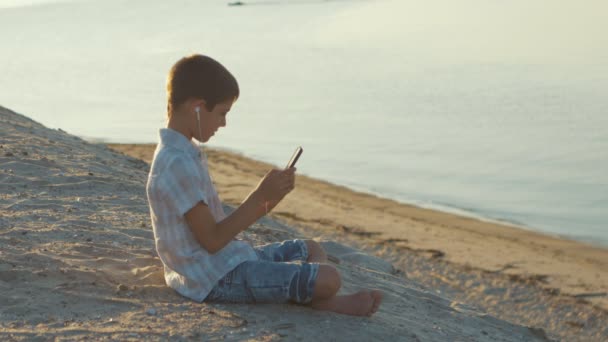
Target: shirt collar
[173,138]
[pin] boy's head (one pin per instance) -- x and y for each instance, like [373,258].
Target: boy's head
[199,77]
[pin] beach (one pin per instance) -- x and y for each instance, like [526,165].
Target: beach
[77,258]
[454,159]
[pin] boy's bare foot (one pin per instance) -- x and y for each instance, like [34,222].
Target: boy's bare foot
[362,303]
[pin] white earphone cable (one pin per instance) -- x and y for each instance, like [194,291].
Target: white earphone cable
[200,132]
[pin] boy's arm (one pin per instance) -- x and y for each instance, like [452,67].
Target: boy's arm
[214,236]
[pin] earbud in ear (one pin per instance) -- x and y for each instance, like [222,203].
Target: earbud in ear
[197,110]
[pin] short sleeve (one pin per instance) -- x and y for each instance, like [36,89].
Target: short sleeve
[184,184]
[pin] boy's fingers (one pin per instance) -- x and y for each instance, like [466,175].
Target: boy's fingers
[288,177]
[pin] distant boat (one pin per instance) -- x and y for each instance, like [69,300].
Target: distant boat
[236,3]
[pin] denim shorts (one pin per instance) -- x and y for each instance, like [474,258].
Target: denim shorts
[280,275]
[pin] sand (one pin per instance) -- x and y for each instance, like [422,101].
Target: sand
[77,258]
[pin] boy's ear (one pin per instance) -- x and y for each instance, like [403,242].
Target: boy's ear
[202,104]
[196,103]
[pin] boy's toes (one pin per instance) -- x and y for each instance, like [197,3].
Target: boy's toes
[377,296]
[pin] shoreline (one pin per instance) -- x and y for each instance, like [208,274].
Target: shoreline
[439,209]
[447,208]
[575,268]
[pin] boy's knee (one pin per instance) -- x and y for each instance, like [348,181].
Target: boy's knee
[315,251]
[328,282]
[312,245]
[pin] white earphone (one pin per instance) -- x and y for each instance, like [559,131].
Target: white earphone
[198,119]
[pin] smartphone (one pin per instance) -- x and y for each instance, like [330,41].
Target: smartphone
[294,158]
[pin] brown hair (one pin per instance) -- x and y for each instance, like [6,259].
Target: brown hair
[199,77]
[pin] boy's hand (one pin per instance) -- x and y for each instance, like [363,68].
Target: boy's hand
[276,184]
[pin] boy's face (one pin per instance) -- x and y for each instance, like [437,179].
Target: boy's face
[211,121]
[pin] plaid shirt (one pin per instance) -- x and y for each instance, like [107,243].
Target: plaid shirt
[178,180]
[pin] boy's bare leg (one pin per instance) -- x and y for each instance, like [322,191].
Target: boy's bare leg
[362,303]
[315,252]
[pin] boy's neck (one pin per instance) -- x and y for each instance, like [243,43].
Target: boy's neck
[177,123]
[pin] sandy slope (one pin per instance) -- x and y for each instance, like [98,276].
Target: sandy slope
[77,260]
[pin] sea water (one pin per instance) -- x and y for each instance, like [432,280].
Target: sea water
[493,109]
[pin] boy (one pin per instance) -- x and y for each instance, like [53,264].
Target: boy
[195,239]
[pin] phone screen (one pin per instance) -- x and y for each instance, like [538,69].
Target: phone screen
[294,158]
